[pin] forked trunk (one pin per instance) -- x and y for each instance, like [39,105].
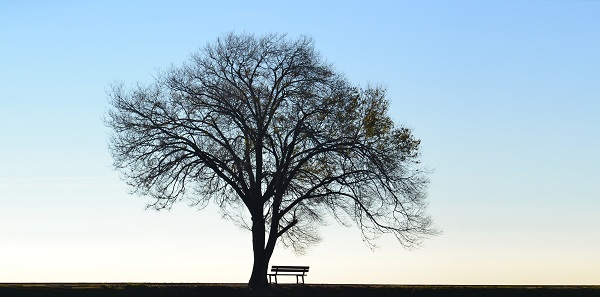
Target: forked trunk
[262,255]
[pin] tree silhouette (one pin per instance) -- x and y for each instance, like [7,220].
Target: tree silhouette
[268,131]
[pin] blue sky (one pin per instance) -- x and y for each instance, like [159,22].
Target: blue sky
[505,96]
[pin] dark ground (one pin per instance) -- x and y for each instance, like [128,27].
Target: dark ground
[309,290]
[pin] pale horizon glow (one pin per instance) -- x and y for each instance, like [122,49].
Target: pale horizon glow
[505,96]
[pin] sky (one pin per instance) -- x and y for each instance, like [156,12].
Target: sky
[504,95]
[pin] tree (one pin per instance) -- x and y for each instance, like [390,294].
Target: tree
[267,130]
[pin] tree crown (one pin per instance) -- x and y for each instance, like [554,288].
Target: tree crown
[266,129]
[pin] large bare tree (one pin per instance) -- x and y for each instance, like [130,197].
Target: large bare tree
[267,130]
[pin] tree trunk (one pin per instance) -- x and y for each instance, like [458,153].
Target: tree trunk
[258,279]
[262,255]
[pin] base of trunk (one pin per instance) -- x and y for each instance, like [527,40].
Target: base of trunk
[260,288]
[258,280]
[258,284]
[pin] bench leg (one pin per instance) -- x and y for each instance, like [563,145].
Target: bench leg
[271,280]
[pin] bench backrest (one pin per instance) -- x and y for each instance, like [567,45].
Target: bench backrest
[289,269]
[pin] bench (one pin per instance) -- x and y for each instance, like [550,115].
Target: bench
[298,271]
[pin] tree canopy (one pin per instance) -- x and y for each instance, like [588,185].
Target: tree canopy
[270,132]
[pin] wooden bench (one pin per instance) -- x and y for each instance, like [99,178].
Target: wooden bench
[298,271]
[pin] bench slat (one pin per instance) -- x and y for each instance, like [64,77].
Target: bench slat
[289,270]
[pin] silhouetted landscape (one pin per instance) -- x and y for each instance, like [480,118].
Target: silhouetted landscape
[314,148]
[293,290]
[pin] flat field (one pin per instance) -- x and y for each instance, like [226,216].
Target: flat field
[293,290]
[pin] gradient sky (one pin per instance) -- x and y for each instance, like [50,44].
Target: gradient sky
[505,96]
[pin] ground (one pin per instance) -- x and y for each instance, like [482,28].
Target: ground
[293,290]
